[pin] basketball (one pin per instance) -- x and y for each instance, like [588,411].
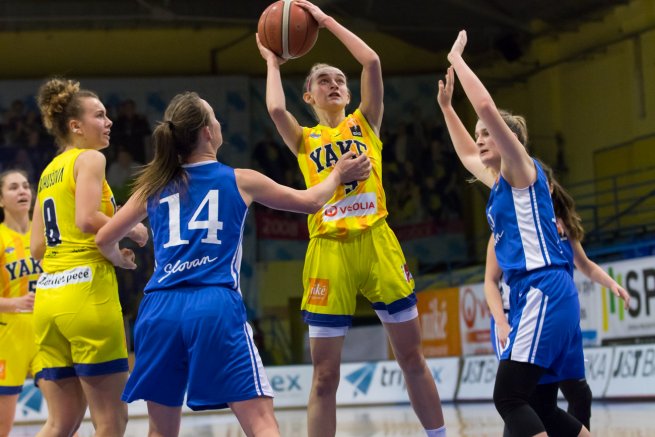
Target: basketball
[287,29]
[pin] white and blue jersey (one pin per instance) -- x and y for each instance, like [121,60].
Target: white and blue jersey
[197,230]
[524,227]
[544,308]
[191,336]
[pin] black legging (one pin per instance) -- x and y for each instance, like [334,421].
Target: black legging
[528,408]
[578,395]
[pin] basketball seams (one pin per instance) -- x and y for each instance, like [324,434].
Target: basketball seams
[285,28]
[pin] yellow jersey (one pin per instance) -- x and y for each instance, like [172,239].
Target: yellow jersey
[66,245]
[19,270]
[358,205]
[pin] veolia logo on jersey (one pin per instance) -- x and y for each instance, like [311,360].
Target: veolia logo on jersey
[354,206]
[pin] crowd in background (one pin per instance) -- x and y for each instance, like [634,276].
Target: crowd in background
[420,168]
[422,178]
[421,173]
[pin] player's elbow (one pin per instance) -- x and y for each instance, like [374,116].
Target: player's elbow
[85,224]
[485,107]
[37,251]
[101,239]
[277,112]
[372,61]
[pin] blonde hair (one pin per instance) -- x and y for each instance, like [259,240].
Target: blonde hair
[59,100]
[516,124]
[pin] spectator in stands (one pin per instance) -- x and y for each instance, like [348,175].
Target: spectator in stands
[131,130]
[120,174]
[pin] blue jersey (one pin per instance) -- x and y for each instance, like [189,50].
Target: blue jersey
[197,230]
[523,224]
[567,248]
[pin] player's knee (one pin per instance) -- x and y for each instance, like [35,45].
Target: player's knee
[325,381]
[507,400]
[412,362]
[580,398]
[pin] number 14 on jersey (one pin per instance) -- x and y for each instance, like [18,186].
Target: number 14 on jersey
[212,224]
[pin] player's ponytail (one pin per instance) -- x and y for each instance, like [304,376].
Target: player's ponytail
[174,140]
[564,206]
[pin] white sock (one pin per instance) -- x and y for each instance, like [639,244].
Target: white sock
[439,432]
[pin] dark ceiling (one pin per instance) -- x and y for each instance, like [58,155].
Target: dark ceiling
[502,26]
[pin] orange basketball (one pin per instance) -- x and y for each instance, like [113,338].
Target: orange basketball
[287,29]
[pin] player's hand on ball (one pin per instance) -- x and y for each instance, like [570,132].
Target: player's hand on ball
[316,12]
[268,54]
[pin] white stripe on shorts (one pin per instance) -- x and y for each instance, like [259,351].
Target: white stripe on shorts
[527,337]
[258,373]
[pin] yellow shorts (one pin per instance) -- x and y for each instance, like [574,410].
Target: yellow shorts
[17,352]
[78,323]
[335,270]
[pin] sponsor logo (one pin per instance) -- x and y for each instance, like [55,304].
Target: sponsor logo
[30,400]
[181,266]
[408,274]
[362,377]
[634,363]
[9,250]
[479,371]
[473,309]
[356,130]
[433,322]
[315,135]
[286,383]
[77,275]
[640,285]
[319,290]
[597,366]
[354,206]
[3,369]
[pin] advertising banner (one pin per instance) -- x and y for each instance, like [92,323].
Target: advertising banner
[475,319]
[476,382]
[615,322]
[439,316]
[632,372]
[380,382]
[598,369]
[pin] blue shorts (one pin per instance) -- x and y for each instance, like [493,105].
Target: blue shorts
[195,341]
[495,343]
[545,325]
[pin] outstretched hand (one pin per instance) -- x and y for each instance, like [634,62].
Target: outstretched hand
[353,168]
[314,10]
[445,95]
[458,46]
